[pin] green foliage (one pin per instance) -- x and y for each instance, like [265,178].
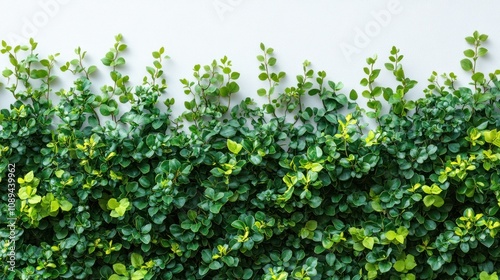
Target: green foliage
[246,192]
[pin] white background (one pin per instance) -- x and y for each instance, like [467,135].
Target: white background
[336,36]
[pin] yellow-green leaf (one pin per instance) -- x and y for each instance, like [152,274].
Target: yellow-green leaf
[59,173]
[54,206]
[120,269]
[234,147]
[368,242]
[29,177]
[391,235]
[65,205]
[113,203]
[136,260]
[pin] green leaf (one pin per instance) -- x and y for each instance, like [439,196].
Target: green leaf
[384,266]
[106,61]
[28,178]
[400,266]
[216,207]
[65,205]
[59,173]
[466,64]
[263,76]
[487,241]
[269,108]
[235,75]
[136,260]
[330,259]
[54,206]
[485,276]
[438,201]
[233,147]
[262,46]
[435,262]
[215,265]
[255,159]
[138,275]
[311,225]
[238,224]
[454,148]
[478,77]
[429,200]
[314,153]
[91,69]
[286,255]
[120,269]
[38,74]
[482,51]
[113,203]
[271,61]
[353,95]
[228,131]
[248,273]
[470,40]
[7,73]
[389,66]
[368,242]
[469,53]
[105,110]
[391,235]
[410,262]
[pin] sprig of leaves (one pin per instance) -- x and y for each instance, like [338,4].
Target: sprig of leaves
[268,61]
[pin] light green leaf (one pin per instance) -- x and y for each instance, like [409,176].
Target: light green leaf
[120,269]
[29,177]
[391,235]
[233,147]
[466,64]
[400,266]
[368,242]
[438,201]
[261,92]
[429,200]
[65,205]
[469,53]
[136,260]
[59,173]
[54,206]
[137,275]
[482,51]
[113,203]
[478,77]
[410,262]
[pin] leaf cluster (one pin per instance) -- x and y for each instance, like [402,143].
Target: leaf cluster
[246,192]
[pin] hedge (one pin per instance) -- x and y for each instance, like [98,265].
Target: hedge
[247,191]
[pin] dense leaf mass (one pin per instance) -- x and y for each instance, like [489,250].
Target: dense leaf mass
[247,191]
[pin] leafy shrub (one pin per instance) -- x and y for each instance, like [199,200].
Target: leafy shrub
[226,191]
